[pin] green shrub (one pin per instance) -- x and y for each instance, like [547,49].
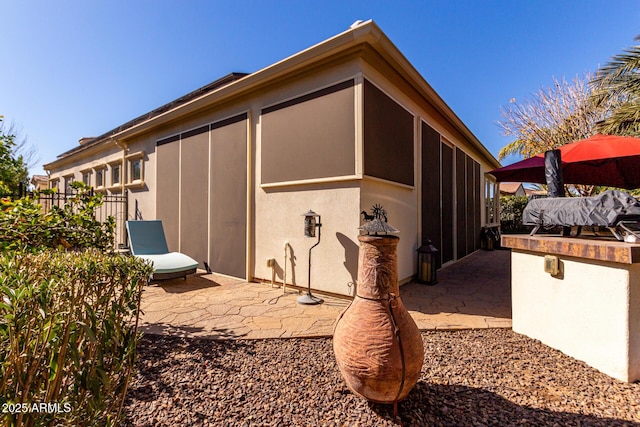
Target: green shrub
[24,226]
[511,208]
[68,331]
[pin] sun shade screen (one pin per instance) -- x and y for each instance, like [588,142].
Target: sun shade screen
[477,210]
[228,208]
[168,190]
[471,187]
[194,167]
[468,204]
[309,137]
[431,219]
[461,204]
[388,137]
[447,203]
[437,193]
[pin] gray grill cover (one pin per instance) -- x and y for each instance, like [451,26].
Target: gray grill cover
[605,210]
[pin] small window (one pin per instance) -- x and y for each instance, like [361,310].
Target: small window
[54,183]
[100,172]
[100,178]
[135,170]
[86,178]
[115,175]
[67,183]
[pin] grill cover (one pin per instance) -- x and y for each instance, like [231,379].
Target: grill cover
[605,210]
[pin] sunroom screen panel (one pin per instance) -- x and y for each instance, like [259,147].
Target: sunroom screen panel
[309,137]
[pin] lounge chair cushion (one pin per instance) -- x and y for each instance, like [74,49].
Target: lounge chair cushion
[170,263]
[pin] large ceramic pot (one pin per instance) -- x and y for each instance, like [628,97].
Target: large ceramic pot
[377,344]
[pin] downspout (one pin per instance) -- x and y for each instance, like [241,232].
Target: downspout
[123,191]
[125,148]
[284,277]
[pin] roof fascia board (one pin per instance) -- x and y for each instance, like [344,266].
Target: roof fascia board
[366,32]
[87,152]
[398,61]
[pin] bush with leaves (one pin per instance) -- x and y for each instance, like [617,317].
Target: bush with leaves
[69,308]
[25,226]
[511,208]
[68,331]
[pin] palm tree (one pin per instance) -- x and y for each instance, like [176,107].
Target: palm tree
[552,117]
[620,79]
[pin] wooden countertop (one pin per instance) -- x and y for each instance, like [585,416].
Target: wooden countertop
[596,248]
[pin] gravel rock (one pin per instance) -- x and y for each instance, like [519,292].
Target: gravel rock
[469,378]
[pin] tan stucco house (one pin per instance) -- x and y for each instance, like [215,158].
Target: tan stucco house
[39,182]
[512,189]
[230,168]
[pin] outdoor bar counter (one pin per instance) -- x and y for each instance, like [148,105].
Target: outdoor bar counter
[589,308]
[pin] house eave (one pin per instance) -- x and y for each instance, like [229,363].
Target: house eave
[88,151]
[365,33]
[396,59]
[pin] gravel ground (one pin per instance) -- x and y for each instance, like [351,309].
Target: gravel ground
[476,377]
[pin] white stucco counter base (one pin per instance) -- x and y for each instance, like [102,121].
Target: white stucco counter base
[590,310]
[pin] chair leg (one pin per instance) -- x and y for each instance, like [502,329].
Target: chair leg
[207,268]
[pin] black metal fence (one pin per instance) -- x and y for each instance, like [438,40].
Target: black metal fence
[115,205]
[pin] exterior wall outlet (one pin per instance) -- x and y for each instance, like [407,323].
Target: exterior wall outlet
[551,265]
[271,262]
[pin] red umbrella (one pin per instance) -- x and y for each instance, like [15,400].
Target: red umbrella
[527,170]
[607,160]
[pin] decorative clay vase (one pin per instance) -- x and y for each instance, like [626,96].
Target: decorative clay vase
[377,344]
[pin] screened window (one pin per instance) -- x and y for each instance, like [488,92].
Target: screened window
[136,170]
[86,178]
[388,137]
[100,178]
[115,175]
[67,183]
[309,137]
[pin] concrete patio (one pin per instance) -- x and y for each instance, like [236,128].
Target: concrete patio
[472,293]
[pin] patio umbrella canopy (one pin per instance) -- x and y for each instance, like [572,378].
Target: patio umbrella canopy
[607,160]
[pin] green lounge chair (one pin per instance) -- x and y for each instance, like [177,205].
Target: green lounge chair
[147,241]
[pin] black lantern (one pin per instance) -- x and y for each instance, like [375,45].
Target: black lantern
[311,221]
[427,264]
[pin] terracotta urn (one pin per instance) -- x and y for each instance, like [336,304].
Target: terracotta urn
[378,346]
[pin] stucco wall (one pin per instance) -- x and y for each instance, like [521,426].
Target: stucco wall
[277,208]
[278,219]
[93,159]
[142,202]
[141,195]
[589,312]
[402,213]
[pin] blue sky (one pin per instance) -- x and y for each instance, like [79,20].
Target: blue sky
[80,68]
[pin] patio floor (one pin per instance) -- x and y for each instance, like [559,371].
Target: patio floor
[475,292]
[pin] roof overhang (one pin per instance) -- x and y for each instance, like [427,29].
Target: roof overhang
[356,37]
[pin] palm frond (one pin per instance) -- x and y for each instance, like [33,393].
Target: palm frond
[619,82]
